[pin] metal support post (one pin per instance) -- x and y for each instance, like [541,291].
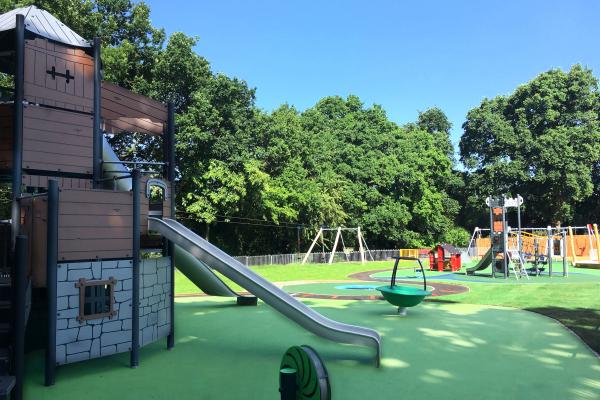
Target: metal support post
[17,142]
[170,158]
[135,302]
[549,250]
[20,281]
[563,235]
[51,280]
[97,133]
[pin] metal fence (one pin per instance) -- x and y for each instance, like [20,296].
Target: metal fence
[316,258]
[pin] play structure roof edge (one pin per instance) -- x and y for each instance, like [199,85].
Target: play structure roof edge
[42,23]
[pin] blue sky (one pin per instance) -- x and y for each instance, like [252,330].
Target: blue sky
[405,55]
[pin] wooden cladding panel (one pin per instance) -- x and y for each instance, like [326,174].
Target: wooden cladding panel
[122,124]
[92,224]
[120,102]
[6,135]
[41,88]
[123,110]
[95,224]
[56,140]
[33,224]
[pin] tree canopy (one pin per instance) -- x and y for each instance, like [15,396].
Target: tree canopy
[253,180]
[542,141]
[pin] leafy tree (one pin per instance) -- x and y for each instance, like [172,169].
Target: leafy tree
[251,180]
[541,142]
[436,123]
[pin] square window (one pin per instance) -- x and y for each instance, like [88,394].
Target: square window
[96,299]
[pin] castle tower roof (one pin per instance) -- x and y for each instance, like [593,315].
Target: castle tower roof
[44,24]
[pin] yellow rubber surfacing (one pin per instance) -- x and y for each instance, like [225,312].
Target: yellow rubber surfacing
[438,351]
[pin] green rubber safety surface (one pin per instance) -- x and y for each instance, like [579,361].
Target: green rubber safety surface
[438,351]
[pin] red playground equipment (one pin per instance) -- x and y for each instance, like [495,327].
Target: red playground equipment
[444,257]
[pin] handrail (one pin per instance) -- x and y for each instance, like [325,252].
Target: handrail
[135,162]
[473,240]
[129,173]
[398,258]
[30,196]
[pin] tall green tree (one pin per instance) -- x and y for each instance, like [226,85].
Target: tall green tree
[252,181]
[435,122]
[541,142]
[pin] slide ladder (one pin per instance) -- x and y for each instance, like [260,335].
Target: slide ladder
[275,297]
[517,264]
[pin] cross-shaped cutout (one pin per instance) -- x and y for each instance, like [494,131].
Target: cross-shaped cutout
[67,75]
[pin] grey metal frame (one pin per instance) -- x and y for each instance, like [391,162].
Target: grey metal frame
[51,280]
[20,287]
[97,132]
[170,169]
[135,302]
[17,150]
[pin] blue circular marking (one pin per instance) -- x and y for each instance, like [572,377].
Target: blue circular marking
[345,287]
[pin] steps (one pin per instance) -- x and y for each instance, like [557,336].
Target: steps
[517,264]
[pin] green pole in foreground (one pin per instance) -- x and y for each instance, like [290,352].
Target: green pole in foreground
[311,380]
[287,383]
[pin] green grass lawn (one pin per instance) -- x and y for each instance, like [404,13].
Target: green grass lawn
[292,272]
[574,304]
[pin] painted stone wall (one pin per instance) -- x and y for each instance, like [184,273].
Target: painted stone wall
[155,295]
[77,341]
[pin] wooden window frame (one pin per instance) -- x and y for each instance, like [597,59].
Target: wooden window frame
[82,284]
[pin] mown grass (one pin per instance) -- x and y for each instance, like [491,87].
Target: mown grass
[292,272]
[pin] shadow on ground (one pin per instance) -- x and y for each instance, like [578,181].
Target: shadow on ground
[585,323]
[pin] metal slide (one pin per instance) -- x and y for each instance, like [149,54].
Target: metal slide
[201,275]
[263,289]
[485,261]
[196,271]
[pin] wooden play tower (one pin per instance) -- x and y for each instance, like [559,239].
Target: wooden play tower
[71,247]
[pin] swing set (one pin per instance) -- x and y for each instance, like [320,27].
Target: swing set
[339,238]
[593,237]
